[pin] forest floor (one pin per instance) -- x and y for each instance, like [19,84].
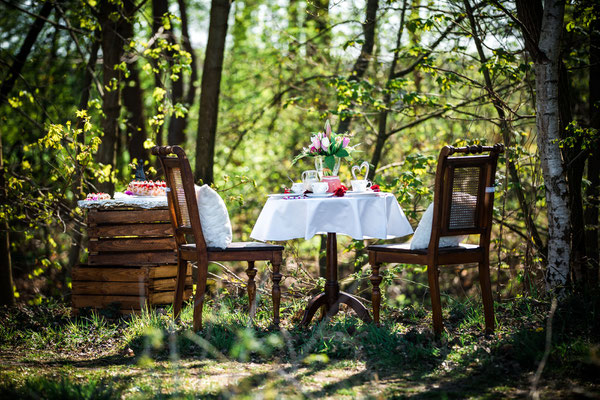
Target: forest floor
[46,353]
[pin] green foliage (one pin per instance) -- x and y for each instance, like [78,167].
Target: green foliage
[64,389]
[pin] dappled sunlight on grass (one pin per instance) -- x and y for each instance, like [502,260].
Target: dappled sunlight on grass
[149,355]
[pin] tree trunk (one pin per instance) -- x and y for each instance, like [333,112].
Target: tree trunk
[548,126]
[113,36]
[541,29]
[210,90]
[362,62]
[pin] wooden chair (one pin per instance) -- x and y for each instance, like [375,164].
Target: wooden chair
[186,223]
[463,202]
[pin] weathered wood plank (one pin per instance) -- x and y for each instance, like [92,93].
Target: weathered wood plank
[166,271]
[167,297]
[160,285]
[133,259]
[128,216]
[156,230]
[110,274]
[109,288]
[137,244]
[102,301]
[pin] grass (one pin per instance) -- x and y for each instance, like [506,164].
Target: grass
[44,353]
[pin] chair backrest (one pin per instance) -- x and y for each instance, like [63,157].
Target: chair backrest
[181,195]
[464,192]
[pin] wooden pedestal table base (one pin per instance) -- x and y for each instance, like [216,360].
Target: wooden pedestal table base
[332,297]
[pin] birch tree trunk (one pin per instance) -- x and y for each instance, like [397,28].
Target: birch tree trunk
[548,127]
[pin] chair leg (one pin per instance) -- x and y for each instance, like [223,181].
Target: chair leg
[179,287]
[251,272]
[199,296]
[436,302]
[486,295]
[376,294]
[276,291]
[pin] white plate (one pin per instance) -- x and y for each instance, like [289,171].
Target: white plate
[319,194]
[365,194]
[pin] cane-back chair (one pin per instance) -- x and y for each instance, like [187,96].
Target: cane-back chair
[463,202]
[186,223]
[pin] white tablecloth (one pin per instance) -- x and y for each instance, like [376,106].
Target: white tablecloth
[123,200]
[362,217]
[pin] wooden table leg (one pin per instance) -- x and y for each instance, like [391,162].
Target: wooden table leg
[332,297]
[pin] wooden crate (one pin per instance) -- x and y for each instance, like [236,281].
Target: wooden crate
[132,261]
[130,236]
[128,288]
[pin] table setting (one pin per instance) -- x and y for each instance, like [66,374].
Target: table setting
[322,204]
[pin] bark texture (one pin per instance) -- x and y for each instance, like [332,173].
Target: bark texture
[548,127]
[210,90]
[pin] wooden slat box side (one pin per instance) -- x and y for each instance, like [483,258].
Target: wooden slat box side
[128,216]
[159,229]
[104,301]
[136,244]
[167,297]
[133,258]
[118,273]
[131,287]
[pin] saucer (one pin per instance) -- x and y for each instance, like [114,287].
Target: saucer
[319,194]
[365,193]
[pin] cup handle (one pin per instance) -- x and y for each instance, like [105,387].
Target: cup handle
[366,166]
[303,175]
[354,168]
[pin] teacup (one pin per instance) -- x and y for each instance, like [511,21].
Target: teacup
[320,187]
[298,187]
[360,185]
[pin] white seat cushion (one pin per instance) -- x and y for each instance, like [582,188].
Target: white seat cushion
[214,218]
[420,239]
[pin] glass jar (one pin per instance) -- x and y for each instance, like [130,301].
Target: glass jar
[323,170]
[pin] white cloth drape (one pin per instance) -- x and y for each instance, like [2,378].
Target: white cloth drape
[362,217]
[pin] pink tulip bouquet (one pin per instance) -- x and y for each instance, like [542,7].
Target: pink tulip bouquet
[328,144]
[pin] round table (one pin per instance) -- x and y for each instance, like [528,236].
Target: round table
[362,216]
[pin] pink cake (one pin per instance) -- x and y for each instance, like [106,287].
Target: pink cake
[97,196]
[147,188]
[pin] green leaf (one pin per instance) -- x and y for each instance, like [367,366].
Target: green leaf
[330,162]
[342,153]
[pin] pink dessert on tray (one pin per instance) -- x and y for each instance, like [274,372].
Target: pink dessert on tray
[146,188]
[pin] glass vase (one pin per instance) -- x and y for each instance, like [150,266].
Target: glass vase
[323,169]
